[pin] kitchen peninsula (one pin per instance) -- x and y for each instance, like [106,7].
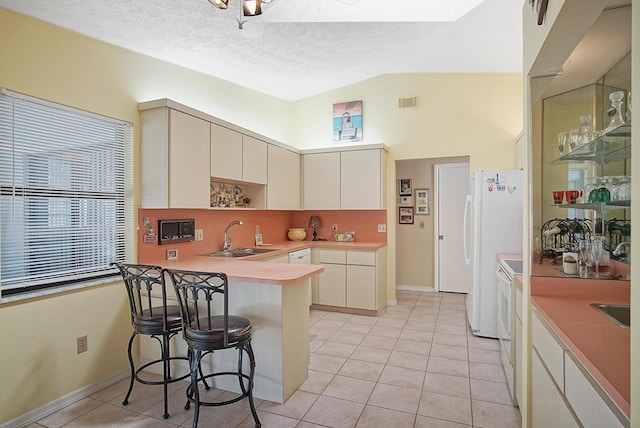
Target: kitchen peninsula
[275,297]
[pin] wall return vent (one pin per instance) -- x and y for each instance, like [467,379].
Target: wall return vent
[407,102]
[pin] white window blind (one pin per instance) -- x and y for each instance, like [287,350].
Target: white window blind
[66,187]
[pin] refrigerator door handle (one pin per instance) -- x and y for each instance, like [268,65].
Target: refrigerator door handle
[467,208]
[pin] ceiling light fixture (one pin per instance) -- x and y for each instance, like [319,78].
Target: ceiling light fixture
[247,8]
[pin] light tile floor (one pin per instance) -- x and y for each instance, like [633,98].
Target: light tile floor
[417,365]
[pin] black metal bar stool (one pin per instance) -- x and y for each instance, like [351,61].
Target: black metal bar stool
[207,327]
[144,284]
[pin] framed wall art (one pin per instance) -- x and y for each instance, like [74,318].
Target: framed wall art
[404,187]
[405,215]
[347,121]
[406,200]
[422,201]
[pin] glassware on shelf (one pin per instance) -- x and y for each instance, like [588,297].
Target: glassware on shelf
[562,142]
[574,138]
[629,107]
[583,258]
[615,111]
[596,248]
[586,135]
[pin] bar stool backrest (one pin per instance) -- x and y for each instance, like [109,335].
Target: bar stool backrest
[144,283]
[203,298]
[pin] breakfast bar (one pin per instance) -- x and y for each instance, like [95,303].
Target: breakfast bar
[275,297]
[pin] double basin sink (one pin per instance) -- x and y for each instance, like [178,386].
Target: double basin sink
[240,252]
[619,314]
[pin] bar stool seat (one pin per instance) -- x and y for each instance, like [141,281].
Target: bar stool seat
[207,327]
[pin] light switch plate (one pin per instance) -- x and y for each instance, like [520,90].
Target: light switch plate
[199,234]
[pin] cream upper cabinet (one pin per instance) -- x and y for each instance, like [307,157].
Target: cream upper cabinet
[283,179]
[362,179]
[321,181]
[254,160]
[226,153]
[175,159]
[238,157]
[347,179]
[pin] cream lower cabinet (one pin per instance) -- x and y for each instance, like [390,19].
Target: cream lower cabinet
[518,363]
[352,279]
[562,394]
[548,406]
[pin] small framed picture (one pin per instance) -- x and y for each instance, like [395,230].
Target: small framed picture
[172,254]
[405,215]
[422,201]
[404,187]
[405,200]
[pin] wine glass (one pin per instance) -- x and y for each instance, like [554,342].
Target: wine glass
[596,253]
[583,258]
[562,142]
[574,138]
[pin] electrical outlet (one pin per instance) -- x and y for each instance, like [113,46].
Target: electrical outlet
[199,234]
[382,228]
[82,344]
[334,227]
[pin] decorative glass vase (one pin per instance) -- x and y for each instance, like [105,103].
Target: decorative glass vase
[615,111]
[585,130]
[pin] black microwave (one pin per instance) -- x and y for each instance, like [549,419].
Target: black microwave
[176,231]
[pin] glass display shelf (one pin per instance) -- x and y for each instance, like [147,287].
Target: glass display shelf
[597,206]
[613,145]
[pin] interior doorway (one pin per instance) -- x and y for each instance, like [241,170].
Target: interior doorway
[451,184]
[415,242]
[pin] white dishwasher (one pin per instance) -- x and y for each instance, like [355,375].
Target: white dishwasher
[302,257]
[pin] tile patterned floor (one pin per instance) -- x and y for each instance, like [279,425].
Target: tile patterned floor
[417,365]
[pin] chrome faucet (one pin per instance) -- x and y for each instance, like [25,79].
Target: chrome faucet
[227,240]
[623,249]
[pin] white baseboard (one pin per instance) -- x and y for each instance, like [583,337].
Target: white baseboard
[64,401]
[415,288]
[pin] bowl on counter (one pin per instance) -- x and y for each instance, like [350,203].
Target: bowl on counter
[297,234]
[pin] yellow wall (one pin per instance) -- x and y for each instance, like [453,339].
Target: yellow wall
[478,115]
[38,359]
[475,115]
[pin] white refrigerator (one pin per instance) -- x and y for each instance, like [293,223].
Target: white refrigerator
[493,225]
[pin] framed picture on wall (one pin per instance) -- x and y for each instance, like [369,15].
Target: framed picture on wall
[405,215]
[406,200]
[422,201]
[404,187]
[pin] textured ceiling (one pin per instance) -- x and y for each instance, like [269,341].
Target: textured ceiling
[300,48]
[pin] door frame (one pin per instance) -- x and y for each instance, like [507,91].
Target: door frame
[436,218]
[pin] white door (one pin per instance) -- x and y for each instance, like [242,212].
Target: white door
[451,182]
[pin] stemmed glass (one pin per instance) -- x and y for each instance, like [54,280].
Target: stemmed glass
[562,142]
[584,259]
[596,253]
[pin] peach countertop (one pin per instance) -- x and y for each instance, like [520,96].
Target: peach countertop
[253,269]
[601,346]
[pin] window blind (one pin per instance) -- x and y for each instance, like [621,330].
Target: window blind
[65,193]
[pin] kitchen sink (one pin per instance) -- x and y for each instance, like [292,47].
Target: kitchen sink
[240,252]
[619,314]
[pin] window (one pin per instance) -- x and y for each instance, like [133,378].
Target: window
[65,193]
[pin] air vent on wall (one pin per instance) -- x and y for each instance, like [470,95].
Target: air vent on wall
[407,102]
